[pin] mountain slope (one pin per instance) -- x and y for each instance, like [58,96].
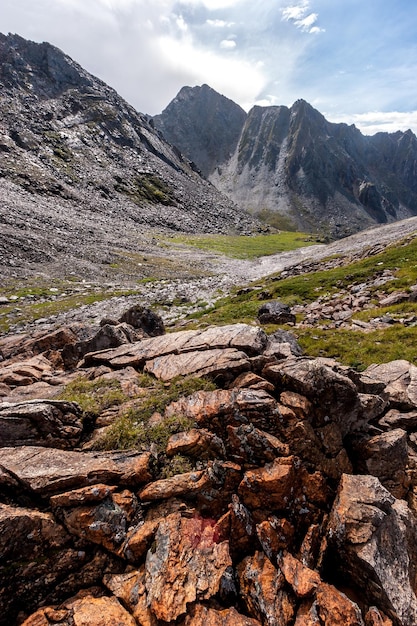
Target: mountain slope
[81,172]
[294,167]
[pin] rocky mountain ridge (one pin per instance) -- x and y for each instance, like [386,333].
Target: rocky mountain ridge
[82,174]
[293,166]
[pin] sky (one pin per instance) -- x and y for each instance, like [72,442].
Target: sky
[353,60]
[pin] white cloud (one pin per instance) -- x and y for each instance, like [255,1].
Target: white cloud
[212,5]
[376,121]
[301,18]
[219,24]
[228,44]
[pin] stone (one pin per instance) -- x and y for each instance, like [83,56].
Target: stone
[282,344]
[47,471]
[386,457]
[87,610]
[333,395]
[262,589]
[25,372]
[49,423]
[396,419]
[197,443]
[108,336]
[275,535]
[145,319]
[242,529]
[252,380]
[270,487]
[249,444]
[186,564]
[130,589]
[374,617]
[335,609]
[275,312]
[303,580]
[218,363]
[372,536]
[187,484]
[200,615]
[400,379]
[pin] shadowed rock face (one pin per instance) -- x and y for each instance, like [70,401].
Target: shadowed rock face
[294,163]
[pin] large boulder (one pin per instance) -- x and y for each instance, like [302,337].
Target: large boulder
[372,536]
[144,319]
[275,312]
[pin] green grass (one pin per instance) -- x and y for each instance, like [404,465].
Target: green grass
[358,349]
[93,396]
[132,428]
[247,247]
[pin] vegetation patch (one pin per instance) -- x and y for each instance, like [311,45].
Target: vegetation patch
[247,246]
[133,428]
[93,396]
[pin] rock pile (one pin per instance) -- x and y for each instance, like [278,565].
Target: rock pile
[299,509]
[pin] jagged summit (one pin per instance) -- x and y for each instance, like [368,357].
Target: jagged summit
[292,166]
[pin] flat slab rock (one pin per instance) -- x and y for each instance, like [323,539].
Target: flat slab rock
[242,337]
[48,471]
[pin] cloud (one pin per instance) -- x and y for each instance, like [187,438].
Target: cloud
[301,18]
[228,44]
[219,24]
[377,121]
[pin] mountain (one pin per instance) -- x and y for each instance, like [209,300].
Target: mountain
[293,167]
[82,172]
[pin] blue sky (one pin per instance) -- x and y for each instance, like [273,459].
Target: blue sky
[353,60]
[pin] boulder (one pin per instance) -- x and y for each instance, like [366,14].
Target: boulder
[144,319]
[400,379]
[186,484]
[275,312]
[47,471]
[50,423]
[186,564]
[198,443]
[282,344]
[333,395]
[25,372]
[108,336]
[334,608]
[129,588]
[200,615]
[263,590]
[372,536]
[303,580]
[270,487]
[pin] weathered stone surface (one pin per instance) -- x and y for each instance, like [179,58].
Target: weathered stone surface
[85,611]
[333,395]
[217,409]
[201,615]
[263,591]
[373,537]
[197,442]
[86,495]
[282,344]
[269,487]
[275,312]
[249,444]
[302,579]
[25,372]
[44,422]
[108,336]
[145,319]
[47,471]
[104,523]
[335,609]
[275,535]
[180,485]
[224,363]
[386,457]
[375,618]
[252,380]
[396,419]
[186,565]
[241,337]
[400,378]
[130,589]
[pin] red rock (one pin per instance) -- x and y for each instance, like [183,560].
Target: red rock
[130,589]
[375,618]
[252,380]
[270,487]
[85,495]
[200,615]
[187,564]
[335,609]
[307,615]
[303,580]
[179,485]
[249,444]
[262,590]
[275,534]
[197,442]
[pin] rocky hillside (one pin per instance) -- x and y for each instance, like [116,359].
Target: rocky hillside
[257,487]
[294,167]
[82,174]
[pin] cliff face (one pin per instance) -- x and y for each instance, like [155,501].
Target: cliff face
[293,166]
[74,156]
